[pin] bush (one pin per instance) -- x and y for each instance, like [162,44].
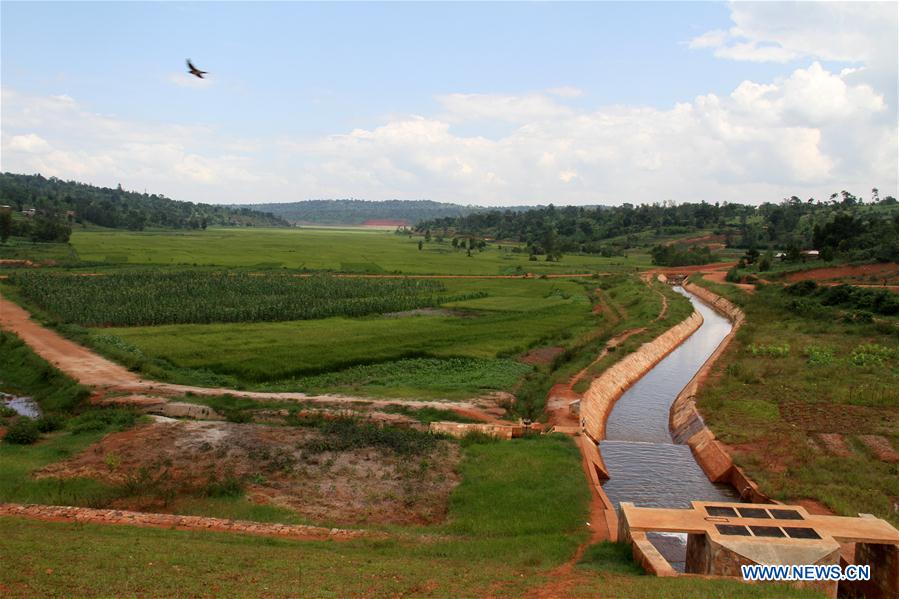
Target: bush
[347,434]
[733,275]
[770,351]
[229,486]
[819,355]
[871,354]
[49,423]
[101,419]
[23,431]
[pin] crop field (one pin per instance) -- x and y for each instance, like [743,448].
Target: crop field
[153,297]
[345,250]
[806,398]
[332,352]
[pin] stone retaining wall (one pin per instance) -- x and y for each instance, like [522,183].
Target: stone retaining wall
[459,429]
[57,513]
[687,425]
[604,391]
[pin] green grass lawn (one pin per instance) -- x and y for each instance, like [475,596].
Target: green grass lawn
[791,376]
[347,250]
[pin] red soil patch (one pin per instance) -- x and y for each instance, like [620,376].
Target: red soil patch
[59,513]
[888,271]
[280,465]
[880,447]
[541,355]
[814,507]
[835,444]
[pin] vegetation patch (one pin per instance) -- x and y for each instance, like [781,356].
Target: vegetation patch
[154,297]
[775,414]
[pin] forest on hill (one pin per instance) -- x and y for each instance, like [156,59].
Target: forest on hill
[57,204]
[359,212]
[844,225]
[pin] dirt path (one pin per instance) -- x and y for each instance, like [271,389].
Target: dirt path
[59,513]
[93,370]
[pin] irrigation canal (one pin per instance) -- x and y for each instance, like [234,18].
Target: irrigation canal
[645,466]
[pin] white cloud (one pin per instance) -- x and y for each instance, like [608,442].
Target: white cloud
[808,133]
[508,108]
[566,91]
[54,135]
[860,32]
[28,143]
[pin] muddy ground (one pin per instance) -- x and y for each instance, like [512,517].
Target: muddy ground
[279,465]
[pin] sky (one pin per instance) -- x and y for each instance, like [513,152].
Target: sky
[474,103]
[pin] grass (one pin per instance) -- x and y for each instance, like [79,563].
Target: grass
[18,248]
[24,373]
[282,355]
[838,376]
[350,250]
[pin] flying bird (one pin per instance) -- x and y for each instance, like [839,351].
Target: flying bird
[194,70]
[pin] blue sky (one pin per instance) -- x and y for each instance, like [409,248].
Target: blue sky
[499,103]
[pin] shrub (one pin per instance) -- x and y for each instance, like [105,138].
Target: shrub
[347,434]
[101,419]
[733,275]
[7,412]
[23,431]
[770,351]
[871,354]
[819,355]
[49,423]
[229,486]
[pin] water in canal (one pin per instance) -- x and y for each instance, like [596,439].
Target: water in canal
[645,466]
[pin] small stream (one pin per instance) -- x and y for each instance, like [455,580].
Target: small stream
[645,466]
[24,406]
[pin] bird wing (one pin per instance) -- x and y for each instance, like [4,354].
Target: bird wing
[190,65]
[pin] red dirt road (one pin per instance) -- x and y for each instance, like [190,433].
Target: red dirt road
[886,271]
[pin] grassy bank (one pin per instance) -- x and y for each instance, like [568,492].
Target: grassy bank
[804,396]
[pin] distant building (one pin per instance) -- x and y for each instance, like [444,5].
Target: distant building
[5,208]
[29,212]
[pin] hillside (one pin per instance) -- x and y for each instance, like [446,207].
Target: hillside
[844,225]
[118,208]
[359,212]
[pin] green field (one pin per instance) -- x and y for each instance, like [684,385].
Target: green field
[793,375]
[515,315]
[345,250]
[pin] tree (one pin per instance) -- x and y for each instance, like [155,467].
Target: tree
[751,255]
[765,261]
[5,225]
[49,226]
[455,242]
[420,244]
[428,236]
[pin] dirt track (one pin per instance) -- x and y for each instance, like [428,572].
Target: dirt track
[93,370]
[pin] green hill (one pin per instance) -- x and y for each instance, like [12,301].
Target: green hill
[118,208]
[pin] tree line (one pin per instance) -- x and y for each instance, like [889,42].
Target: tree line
[844,225]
